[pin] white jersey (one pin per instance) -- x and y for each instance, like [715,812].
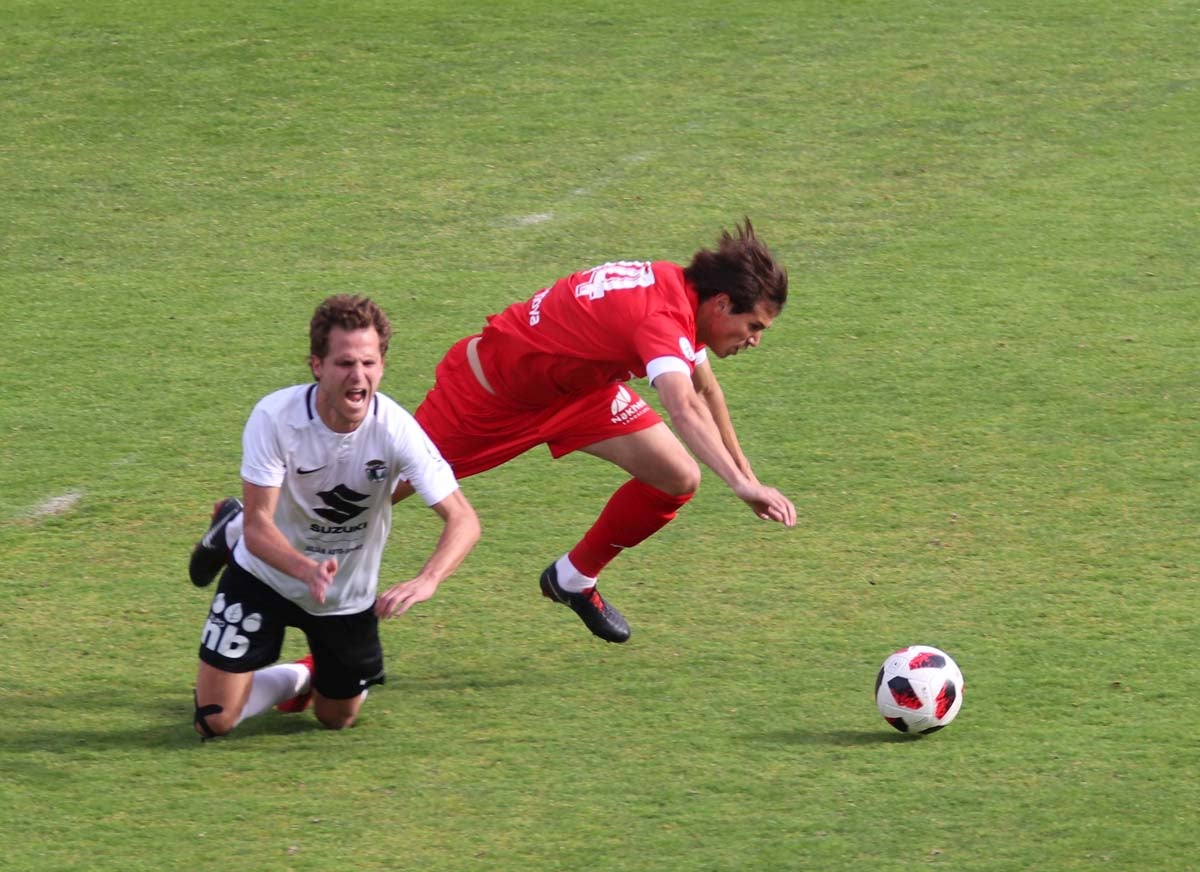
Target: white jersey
[335,489]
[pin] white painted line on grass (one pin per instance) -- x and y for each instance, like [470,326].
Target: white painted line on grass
[535,218]
[57,505]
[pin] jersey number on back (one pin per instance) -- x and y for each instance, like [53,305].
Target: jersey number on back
[624,275]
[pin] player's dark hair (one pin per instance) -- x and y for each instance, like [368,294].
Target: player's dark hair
[742,267]
[350,312]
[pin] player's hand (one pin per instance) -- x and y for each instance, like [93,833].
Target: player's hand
[320,577]
[769,504]
[399,598]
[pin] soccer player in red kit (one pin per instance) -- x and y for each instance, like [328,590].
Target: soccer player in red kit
[554,369]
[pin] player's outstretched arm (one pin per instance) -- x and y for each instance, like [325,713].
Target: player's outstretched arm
[704,380]
[694,424]
[460,532]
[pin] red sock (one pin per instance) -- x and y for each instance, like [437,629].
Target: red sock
[634,513]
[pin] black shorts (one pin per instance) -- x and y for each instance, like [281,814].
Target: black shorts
[246,625]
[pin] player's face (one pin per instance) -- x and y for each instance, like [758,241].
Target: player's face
[726,333]
[347,377]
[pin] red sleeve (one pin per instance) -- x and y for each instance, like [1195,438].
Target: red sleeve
[668,325]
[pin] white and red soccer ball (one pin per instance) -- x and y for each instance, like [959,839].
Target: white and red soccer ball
[919,689]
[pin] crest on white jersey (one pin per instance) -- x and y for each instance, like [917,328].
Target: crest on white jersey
[377,470]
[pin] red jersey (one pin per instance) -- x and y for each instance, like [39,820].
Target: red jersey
[608,324]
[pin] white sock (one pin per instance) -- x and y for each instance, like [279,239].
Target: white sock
[571,579]
[274,685]
[233,530]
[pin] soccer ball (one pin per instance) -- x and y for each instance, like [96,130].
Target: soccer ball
[919,689]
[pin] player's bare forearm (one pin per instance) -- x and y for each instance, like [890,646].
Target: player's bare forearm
[266,542]
[459,535]
[692,420]
[709,390]
[263,539]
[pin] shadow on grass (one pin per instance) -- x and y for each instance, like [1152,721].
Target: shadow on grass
[843,738]
[77,723]
[173,730]
[454,682]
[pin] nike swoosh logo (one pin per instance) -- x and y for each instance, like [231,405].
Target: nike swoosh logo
[302,471]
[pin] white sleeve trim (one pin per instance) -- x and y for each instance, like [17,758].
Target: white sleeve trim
[659,365]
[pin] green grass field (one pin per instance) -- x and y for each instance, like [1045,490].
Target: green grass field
[983,397]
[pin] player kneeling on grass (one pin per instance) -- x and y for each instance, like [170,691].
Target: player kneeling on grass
[320,464]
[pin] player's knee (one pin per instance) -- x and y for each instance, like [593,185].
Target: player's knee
[682,481]
[336,714]
[336,721]
[212,721]
[216,728]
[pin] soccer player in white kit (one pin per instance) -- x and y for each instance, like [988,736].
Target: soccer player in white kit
[319,466]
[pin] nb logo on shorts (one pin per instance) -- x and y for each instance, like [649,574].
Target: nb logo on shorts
[625,408]
[223,630]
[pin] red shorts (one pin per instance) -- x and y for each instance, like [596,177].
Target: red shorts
[476,431]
